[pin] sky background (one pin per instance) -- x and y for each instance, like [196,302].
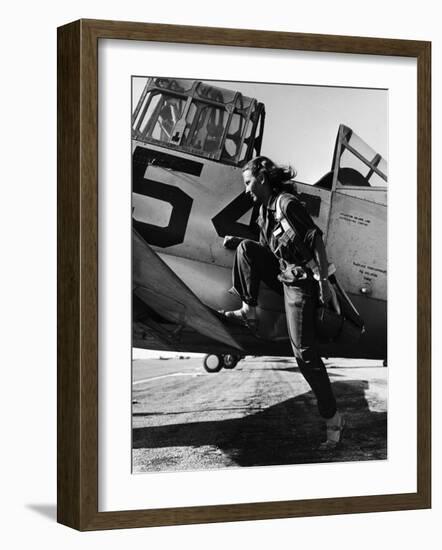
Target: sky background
[302,123]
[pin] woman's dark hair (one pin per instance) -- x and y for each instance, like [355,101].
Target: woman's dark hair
[276,175]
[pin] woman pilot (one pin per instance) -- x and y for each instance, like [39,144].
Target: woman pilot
[290,245]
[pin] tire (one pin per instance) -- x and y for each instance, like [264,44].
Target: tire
[213,363]
[230,361]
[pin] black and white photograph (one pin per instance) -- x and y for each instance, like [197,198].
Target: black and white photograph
[259,272]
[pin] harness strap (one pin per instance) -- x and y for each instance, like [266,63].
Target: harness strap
[290,234]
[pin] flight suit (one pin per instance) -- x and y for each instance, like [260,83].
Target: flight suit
[279,259]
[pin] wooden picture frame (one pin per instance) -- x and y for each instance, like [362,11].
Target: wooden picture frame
[78,274]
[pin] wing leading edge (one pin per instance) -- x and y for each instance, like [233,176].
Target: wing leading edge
[165,308]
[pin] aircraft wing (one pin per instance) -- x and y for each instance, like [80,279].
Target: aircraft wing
[166,313]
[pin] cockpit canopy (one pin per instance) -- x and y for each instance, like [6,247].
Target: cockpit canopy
[200,119]
[355,164]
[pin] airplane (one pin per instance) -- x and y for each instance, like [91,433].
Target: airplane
[190,141]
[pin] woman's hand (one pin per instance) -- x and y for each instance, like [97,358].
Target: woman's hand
[231,243]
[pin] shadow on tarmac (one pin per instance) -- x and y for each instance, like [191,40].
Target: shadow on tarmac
[286,433]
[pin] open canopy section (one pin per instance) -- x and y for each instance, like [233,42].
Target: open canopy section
[355,164]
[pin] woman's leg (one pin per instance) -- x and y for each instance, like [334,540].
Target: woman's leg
[300,307]
[254,263]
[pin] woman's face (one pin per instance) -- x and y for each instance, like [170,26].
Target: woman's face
[254,187]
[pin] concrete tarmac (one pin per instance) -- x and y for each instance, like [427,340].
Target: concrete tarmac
[261,413]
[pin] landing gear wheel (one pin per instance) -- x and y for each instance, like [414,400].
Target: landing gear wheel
[230,361]
[213,363]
